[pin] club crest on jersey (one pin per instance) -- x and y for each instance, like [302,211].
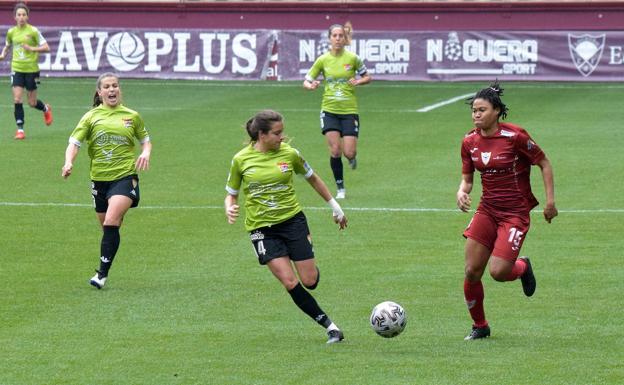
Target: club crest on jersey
[283,166]
[127,123]
[485,157]
[347,67]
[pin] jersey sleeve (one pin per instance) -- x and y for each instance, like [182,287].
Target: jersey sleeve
[360,66]
[300,166]
[315,70]
[9,38]
[140,132]
[235,178]
[81,132]
[527,147]
[40,39]
[467,165]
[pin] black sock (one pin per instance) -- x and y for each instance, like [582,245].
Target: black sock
[308,305]
[18,112]
[109,246]
[40,106]
[336,166]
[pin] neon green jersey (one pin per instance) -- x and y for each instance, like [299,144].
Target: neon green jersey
[22,60]
[267,181]
[110,134]
[339,95]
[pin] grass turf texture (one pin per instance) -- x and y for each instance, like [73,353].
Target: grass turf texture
[186,302]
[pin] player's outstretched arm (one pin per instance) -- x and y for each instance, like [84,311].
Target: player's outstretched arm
[321,188]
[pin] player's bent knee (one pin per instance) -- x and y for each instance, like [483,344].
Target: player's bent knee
[316,281]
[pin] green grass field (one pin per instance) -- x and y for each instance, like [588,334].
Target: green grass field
[187,303]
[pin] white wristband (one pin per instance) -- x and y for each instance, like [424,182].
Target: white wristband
[335,208]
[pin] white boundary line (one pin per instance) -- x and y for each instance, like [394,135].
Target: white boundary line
[219,207]
[297,83]
[444,102]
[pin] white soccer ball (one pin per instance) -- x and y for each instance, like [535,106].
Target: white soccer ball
[388,319]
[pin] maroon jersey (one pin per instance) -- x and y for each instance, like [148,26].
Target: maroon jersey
[504,161]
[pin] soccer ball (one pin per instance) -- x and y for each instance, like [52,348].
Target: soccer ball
[388,319]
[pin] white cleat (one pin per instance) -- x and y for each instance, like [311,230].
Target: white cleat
[341,194]
[98,282]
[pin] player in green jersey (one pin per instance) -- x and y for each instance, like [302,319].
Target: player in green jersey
[27,43]
[278,228]
[110,130]
[340,122]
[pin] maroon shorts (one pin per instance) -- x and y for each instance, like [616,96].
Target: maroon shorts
[502,234]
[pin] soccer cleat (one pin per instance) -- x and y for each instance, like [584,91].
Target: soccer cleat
[478,333]
[353,163]
[334,336]
[528,279]
[19,135]
[98,281]
[47,115]
[341,193]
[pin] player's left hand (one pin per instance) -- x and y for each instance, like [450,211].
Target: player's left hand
[142,162]
[550,211]
[354,81]
[341,221]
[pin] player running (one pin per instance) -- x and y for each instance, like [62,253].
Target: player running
[277,226]
[27,43]
[503,153]
[340,122]
[110,130]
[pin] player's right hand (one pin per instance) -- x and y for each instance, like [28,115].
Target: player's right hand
[463,201]
[314,84]
[232,213]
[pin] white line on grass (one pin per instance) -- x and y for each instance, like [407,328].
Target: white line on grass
[444,102]
[381,84]
[219,207]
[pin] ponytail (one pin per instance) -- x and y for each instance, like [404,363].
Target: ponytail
[96,99]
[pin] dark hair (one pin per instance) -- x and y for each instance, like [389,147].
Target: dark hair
[262,122]
[493,95]
[21,6]
[335,26]
[98,85]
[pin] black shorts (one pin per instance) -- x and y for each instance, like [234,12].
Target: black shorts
[127,186]
[290,238]
[28,80]
[346,124]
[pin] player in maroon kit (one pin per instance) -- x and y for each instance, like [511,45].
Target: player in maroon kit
[503,153]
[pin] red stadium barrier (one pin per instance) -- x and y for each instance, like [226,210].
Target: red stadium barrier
[395,16]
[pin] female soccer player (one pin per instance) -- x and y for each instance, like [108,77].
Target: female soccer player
[503,153]
[278,228]
[110,130]
[27,42]
[340,122]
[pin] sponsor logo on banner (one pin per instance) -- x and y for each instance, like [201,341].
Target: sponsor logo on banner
[190,52]
[586,51]
[481,56]
[381,56]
